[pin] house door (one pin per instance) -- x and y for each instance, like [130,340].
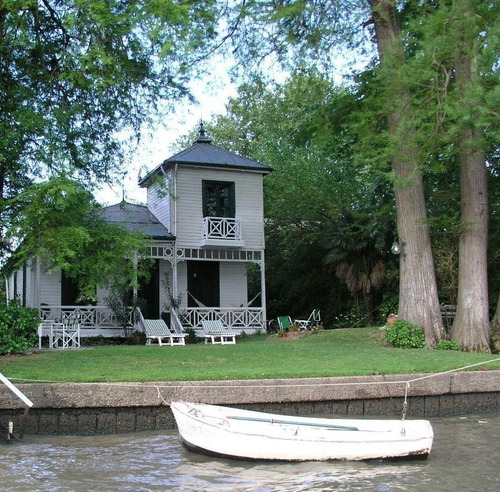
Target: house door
[149,293]
[203,283]
[69,290]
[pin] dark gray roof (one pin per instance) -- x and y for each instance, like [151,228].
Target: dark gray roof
[203,153]
[136,218]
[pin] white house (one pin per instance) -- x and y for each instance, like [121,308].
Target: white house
[205,218]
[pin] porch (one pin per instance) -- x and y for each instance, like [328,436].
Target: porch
[101,321]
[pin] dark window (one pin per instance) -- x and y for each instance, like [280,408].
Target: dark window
[218,199]
[69,290]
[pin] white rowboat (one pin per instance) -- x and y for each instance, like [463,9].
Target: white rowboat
[245,434]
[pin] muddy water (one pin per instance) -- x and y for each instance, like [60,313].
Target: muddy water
[465,457]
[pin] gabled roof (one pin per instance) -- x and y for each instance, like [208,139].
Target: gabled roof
[203,153]
[136,218]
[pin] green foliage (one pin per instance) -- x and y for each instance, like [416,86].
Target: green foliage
[136,338]
[119,301]
[81,78]
[403,334]
[352,318]
[18,327]
[320,208]
[191,337]
[59,222]
[448,345]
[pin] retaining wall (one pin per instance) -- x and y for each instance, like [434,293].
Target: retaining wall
[104,408]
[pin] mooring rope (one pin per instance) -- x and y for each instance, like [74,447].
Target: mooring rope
[221,385]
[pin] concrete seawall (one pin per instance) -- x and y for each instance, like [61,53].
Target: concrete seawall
[104,408]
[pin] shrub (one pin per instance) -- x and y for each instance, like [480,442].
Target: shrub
[403,334]
[17,328]
[191,336]
[448,345]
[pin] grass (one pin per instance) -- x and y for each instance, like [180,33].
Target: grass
[350,352]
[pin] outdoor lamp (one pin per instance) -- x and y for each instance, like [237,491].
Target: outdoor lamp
[397,248]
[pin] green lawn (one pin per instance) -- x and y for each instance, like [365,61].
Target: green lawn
[350,352]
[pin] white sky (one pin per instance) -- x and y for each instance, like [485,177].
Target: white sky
[157,144]
[212,93]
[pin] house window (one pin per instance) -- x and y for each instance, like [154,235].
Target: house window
[218,199]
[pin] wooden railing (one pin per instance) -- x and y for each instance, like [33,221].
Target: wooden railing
[235,318]
[89,317]
[221,228]
[100,320]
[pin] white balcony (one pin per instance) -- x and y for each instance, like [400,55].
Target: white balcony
[222,231]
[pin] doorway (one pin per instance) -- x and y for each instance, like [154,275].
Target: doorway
[149,292]
[203,283]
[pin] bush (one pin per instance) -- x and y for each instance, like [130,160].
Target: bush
[448,345]
[191,336]
[403,334]
[17,328]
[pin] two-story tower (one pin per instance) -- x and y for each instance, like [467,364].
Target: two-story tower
[211,201]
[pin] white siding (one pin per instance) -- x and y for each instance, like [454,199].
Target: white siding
[11,292]
[182,282]
[249,204]
[158,201]
[102,293]
[50,287]
[29,285]
[233,284]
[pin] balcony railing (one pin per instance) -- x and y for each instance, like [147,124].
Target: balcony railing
[222,231]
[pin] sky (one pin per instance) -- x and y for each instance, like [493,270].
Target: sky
[211,92]
[157,144]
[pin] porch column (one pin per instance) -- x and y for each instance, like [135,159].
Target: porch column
[38,283]
[174,273]
[134,289]
[263,288]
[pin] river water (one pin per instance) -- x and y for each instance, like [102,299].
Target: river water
[465,457]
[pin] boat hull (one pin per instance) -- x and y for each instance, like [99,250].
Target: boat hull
[245,434]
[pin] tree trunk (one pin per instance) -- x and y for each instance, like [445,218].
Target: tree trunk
[495,328]
[471,328]
[418,297]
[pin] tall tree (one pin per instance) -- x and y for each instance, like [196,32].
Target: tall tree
[315,27]
[78,77]
[457,63]
[419,301]
[472,326]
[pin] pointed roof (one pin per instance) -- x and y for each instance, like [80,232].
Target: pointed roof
[204,153]
[136,218]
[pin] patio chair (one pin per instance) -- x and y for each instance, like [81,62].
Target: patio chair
[216,333]
[157,329]
[64,335]
[308,324]
[284,322]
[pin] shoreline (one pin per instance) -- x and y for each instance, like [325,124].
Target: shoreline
[109,408]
